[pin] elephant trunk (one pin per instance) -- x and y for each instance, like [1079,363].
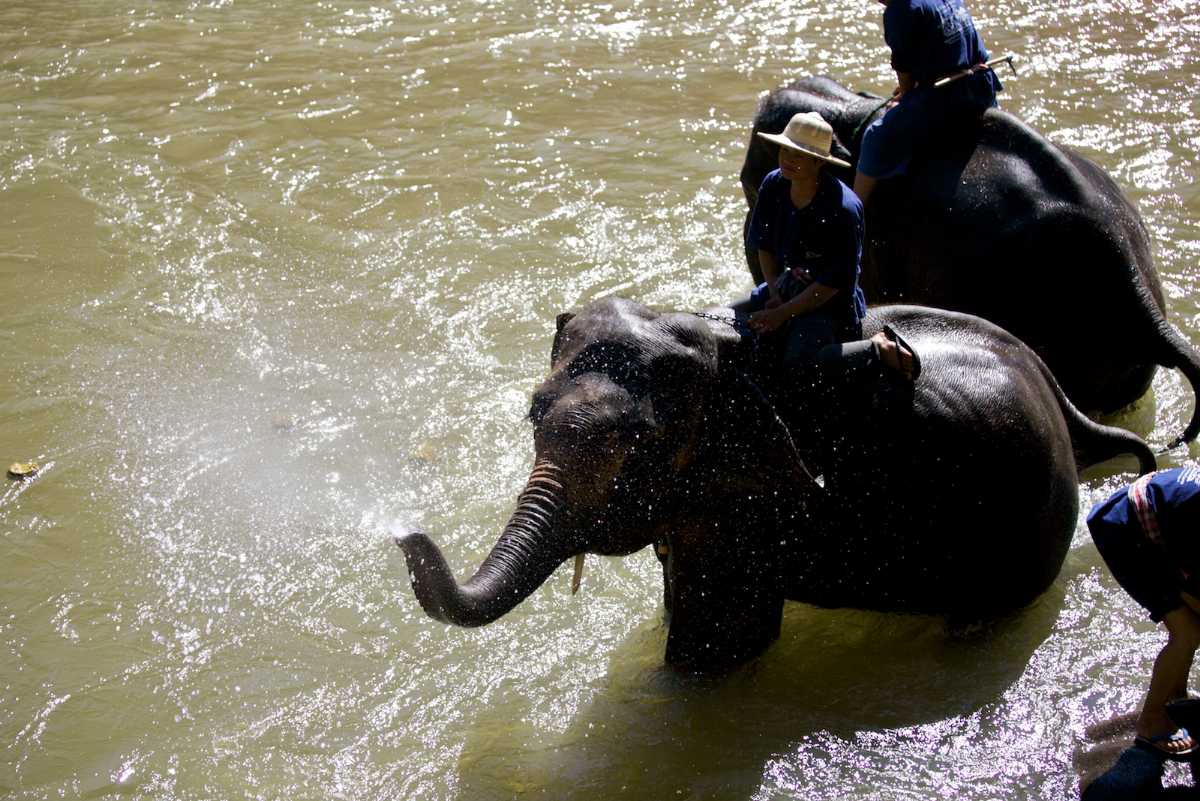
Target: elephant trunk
[524,556]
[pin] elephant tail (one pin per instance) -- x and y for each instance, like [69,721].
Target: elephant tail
[1179,353]
[1093,442]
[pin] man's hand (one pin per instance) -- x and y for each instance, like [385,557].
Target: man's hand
[768,320]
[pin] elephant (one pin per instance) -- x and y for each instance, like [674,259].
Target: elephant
[995,220]
[955,495]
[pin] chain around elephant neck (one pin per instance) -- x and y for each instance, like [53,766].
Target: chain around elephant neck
[737,324]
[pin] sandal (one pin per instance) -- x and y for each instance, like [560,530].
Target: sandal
[1155,745]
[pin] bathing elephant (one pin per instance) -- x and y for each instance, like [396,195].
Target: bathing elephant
[998,221]
[955,495]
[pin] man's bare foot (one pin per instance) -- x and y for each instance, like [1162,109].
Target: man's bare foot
[1158,733]
[895,356]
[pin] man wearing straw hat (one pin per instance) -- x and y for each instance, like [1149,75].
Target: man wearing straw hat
[808,229]
[943,79]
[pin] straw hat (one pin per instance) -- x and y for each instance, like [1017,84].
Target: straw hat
[809,134]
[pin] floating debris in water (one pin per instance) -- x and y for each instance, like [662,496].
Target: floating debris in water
[425,453]
[283,423]
[18,470]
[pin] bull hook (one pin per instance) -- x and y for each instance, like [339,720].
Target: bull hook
[987,65]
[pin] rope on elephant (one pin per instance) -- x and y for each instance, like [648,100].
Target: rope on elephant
[765,402]
[756,392]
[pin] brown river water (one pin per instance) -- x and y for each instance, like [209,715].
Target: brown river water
[277,275]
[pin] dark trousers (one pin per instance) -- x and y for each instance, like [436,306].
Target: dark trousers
[819,348]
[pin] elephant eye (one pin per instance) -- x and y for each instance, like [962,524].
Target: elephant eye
[539,407]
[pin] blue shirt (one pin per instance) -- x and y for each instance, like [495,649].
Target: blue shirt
[1175,497]
[935,38]
[820,243]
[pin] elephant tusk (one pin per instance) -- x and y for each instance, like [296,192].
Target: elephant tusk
[577,578]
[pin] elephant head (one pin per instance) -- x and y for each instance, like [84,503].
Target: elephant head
[618,417]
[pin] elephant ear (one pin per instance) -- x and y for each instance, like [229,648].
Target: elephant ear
[560,323]
[685,362]
[839,151]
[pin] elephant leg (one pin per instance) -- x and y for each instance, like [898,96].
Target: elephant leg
[726,600]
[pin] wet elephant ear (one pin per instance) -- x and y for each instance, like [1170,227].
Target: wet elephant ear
[839,150]
[676,381]
[560,323]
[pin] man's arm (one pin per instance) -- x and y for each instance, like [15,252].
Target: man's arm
[899,31]
[813,297]
[770,271]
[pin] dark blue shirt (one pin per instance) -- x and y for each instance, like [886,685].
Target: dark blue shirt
[1175,497]
[935,38]
[820,243]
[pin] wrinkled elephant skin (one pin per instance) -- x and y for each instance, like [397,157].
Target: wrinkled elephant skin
[956,496]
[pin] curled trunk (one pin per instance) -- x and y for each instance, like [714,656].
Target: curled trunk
[524,556]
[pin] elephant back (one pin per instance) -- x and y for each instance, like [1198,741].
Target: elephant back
[966,482]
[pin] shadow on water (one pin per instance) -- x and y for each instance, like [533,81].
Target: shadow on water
[1110,769]
[833,677]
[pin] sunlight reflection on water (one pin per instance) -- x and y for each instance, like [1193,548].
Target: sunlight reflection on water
[279,283]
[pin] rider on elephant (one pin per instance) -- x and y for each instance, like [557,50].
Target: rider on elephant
[808,229]
[929,40]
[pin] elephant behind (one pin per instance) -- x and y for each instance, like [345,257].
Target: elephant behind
[999,222]
[955,496]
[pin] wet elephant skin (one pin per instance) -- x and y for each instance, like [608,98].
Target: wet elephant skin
[956,496]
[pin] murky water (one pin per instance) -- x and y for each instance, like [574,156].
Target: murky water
[276,275]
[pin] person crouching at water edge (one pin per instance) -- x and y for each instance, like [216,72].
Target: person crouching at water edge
[1148,535]
[808,229]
